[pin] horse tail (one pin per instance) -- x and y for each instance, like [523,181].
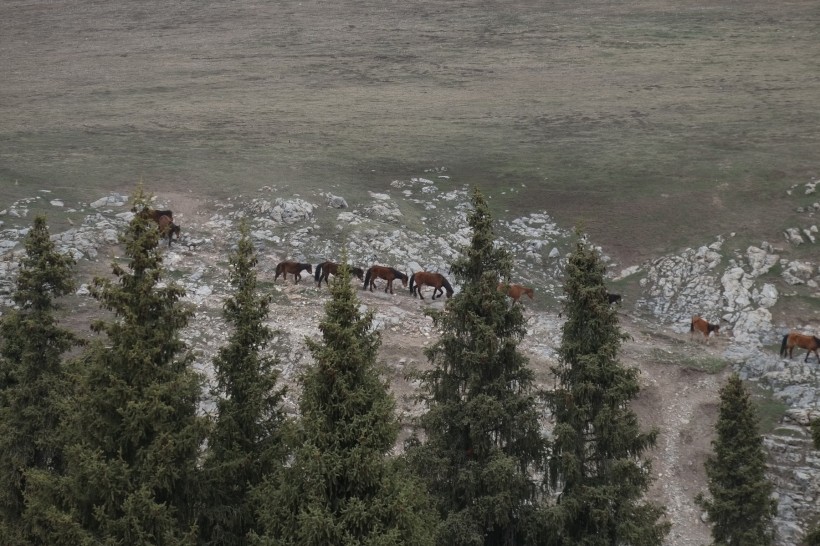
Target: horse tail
[318,273]
[783,345]
[692,324]
[447,287]
[367,278]
[412,280]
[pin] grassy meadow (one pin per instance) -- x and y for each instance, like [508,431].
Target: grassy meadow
[654,124]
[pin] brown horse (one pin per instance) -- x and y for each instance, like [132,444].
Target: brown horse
[167,228]
[325,269]
[296,268]
[515,291]
[701,325]
[381,272]
[808,342]
[154,214]
[436,280]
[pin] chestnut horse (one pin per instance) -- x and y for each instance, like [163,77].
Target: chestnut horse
[381,272]
[808,342]
[515,291]
[167,228]
[701,325]
[436,280]
[283,268]
[325,269]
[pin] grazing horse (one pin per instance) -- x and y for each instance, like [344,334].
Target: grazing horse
[325,269]
[436,280]
[167,228]
[283,268]
[808,342]
[381,272]
[701,325]
[515,291]
[613,298]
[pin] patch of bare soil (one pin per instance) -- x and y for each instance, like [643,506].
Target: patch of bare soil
[682,403]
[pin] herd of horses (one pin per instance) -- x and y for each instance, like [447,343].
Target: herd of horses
[791,340]
[168,229]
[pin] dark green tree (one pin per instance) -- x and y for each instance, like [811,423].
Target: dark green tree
[483,444]
[341,486]
[133,431]
[597,470]
[32,378]
[246,442]
[739,506]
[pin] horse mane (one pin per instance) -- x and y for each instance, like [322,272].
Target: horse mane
[398,273]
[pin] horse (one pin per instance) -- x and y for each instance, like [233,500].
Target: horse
[703,326]
[808,342]
[167,228]
[613,298]
[154,214]
[436,280]
[381,272]
[325,269]
[515,291]
[283,268]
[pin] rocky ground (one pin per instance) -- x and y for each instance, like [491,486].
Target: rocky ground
[418,223]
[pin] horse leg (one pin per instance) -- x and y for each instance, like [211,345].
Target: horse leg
[296,277]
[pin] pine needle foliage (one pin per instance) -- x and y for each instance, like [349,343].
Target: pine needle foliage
[341,486]
[134,433]
[32,378]
[482,440]
[739,506]
[246,442]
[597,470]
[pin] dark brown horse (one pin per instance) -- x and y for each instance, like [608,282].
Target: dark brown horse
[325,269]
[296,268]
[436,280]
[381,272]
[167,228]
[515,291]
[794,339]
[154,214]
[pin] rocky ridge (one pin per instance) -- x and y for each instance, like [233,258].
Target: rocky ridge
[419,223]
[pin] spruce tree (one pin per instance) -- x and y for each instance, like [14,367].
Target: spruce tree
[482,441]
[739,506]
[597,470]
[341,486]
[134,432]
[32,378]
[246,442]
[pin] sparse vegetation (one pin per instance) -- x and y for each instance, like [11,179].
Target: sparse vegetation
[705,363]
